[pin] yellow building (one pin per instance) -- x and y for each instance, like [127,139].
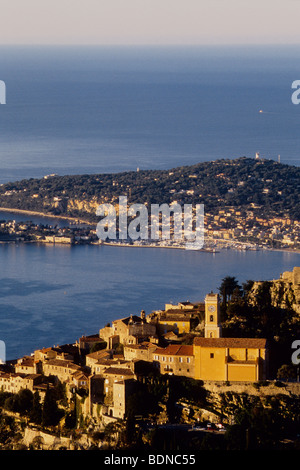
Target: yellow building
[180,318]
[212,316]
[230,359]
[227,359]
[177,321]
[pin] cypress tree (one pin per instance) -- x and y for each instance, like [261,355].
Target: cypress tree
[50,413]
[36,412]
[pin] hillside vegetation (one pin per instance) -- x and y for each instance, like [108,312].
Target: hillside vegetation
[241,183]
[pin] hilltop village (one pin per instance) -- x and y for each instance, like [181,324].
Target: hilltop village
[133,347]
[171,371]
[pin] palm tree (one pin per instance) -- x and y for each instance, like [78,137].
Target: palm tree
[227,287]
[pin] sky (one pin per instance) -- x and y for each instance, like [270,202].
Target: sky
[154,22]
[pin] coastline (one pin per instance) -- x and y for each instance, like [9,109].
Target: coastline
[45,214]
[127,245]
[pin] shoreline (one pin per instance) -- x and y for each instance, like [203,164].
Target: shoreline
[127,245]
[124,245]
[43,214]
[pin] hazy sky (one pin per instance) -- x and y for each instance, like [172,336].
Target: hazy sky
[149,21]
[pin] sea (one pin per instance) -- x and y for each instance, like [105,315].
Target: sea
[103,109]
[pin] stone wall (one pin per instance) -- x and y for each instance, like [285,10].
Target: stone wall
[45,441]
[250,389]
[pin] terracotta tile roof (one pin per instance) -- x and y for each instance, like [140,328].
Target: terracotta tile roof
[230,342]
[26,361]
[144,345]
[90,338]
[79,374]
[62,363]
[118,371]
[126,320]
[111,362]
[180,317]
[176,350]
[98,354]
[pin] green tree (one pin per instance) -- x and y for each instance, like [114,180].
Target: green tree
[50,413]
[130,433]
[36,411]
[8,429]
[25,401]
[287,372]
[227,287]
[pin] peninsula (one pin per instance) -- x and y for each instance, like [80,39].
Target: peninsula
[248,203]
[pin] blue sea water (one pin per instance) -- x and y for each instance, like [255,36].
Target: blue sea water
[52,295]
[73,110]
[109,109]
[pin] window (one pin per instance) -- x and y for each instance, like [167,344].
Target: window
[180,359]
[188,360]
[211,318]
[211,355]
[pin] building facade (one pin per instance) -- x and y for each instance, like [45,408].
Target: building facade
[175,359]
[227,359]
[230,359]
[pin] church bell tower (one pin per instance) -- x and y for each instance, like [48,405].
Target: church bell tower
[213,327]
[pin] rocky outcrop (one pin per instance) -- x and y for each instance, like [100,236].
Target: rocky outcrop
[293,280]
[87,206]
[284,292]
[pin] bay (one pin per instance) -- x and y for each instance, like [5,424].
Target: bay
[52,295]
[74,110]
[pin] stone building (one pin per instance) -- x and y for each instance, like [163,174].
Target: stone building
[212,357]
[114,375]
[175,360]
[28,365]
[179,319]
[14,382]
[143,351]
[121,391]
[61,369]
[129,330]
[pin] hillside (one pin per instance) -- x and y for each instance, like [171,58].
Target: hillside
[243,183]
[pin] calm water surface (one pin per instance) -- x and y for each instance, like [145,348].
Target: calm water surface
[73,110]
[92,110]
[54,294]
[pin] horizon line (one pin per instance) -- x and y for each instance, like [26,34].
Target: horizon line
[221,44]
